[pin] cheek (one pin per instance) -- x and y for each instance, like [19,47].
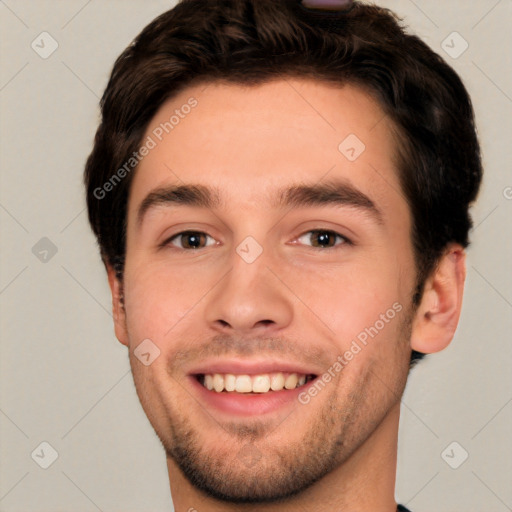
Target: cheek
[158,297]
[351,298]
[363,307]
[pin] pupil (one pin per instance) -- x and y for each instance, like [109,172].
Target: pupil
[193,240]
[323,237]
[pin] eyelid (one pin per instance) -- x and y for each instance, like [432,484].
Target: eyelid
[168,241]
[346,241]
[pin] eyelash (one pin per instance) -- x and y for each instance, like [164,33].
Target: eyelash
[345,240]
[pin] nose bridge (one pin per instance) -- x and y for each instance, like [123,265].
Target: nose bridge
[249,266]
[249,296]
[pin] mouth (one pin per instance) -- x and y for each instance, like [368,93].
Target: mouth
[250,388]
[253,384]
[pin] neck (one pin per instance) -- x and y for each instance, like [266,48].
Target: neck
[366,481]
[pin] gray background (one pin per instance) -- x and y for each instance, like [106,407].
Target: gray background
[64,377]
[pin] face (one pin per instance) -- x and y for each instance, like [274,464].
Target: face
[267,247]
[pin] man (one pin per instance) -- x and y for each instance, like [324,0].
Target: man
[280,193]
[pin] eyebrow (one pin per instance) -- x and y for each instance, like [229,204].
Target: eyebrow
[337,193]
[189,195]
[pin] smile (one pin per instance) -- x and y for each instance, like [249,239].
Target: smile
[262,383]
[246,388]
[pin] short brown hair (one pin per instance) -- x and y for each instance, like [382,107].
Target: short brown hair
[253,41]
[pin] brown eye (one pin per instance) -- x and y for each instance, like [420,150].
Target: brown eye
[323,239]
[190,240]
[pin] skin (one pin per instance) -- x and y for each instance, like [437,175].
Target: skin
[296,302]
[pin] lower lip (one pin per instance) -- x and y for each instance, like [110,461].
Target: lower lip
[248,404]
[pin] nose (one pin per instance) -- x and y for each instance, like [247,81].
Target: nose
[249,299]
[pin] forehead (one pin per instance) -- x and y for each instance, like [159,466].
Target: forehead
[245,140]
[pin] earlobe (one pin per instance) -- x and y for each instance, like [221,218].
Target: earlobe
[118,311]
[438,313]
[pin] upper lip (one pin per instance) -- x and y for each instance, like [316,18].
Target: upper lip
[251,367]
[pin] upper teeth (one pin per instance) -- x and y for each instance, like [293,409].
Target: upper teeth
[253,383]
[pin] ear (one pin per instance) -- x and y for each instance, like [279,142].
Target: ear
[438,313]
[118,311]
